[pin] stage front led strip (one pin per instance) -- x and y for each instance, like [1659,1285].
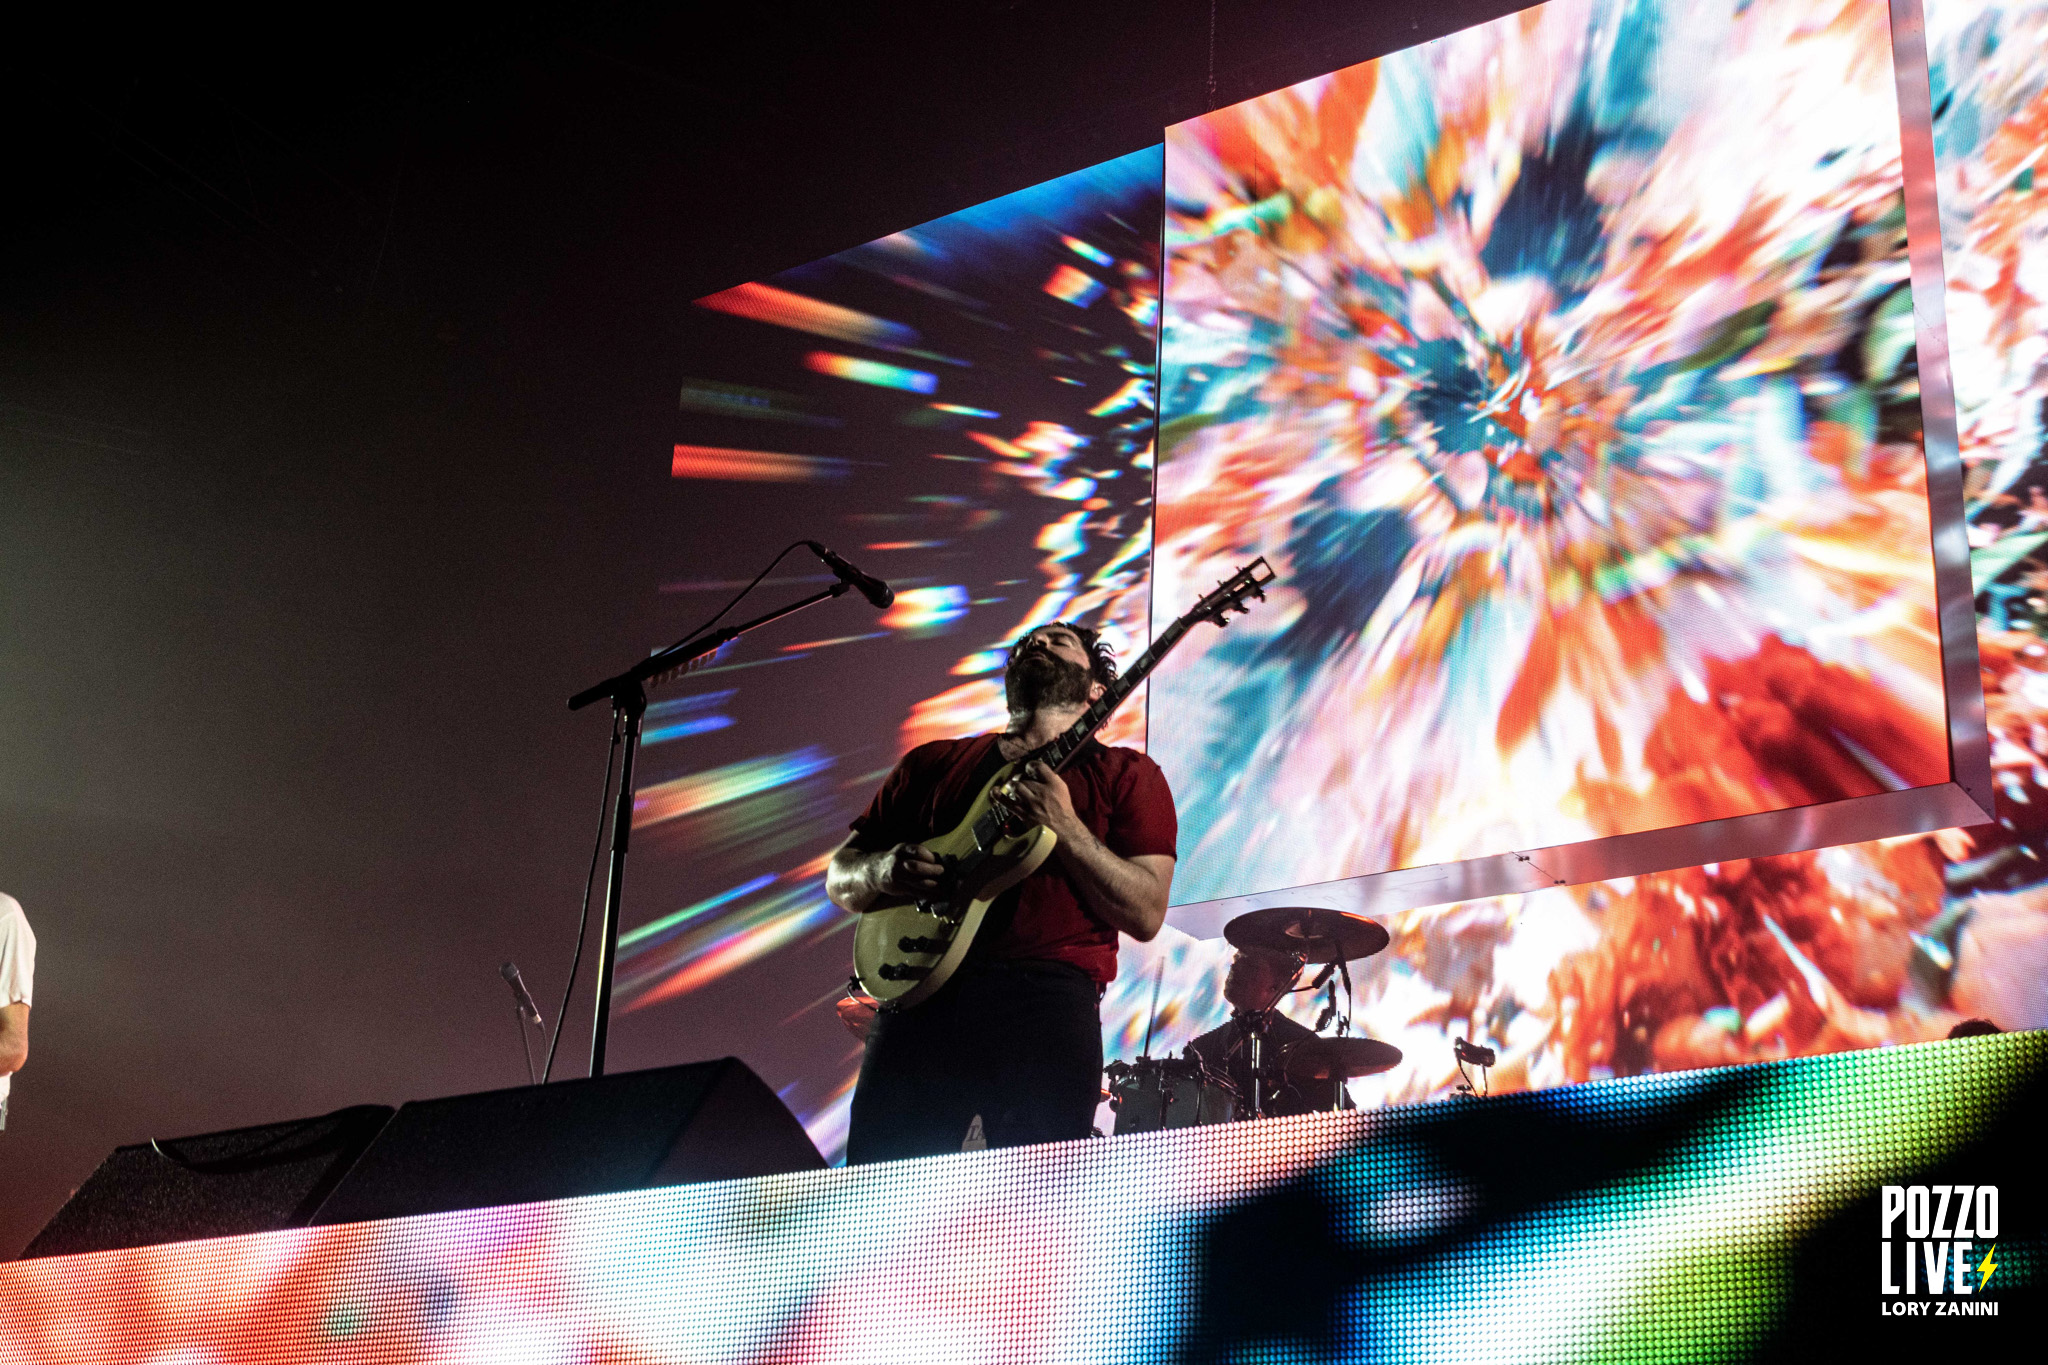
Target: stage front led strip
[1583,374]
[1711,1216]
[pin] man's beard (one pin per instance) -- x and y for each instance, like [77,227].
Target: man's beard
[1037,680]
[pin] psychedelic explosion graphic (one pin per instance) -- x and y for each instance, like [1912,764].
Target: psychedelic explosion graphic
[1564,369]
[965,409]
[1848,947]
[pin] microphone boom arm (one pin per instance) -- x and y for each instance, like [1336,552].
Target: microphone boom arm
[655,668]
[628,694]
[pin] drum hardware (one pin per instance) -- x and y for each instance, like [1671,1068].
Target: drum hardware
[1309,932]
[1481,1057]
[1158,979]
[1338,1059]
[1323,1020]
[1312,934]
[1156,1093]
[1259,1020]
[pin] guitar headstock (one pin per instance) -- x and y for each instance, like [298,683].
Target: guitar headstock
[1234,593]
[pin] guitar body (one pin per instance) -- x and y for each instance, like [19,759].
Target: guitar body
[905,950]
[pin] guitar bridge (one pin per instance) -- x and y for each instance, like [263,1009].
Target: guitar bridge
[902,971]
[922,945]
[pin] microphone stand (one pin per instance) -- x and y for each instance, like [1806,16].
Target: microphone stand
[627,692]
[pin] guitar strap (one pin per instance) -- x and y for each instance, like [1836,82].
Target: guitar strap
[995,923]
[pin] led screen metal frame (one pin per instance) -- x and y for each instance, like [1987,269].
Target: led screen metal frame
[1964,800]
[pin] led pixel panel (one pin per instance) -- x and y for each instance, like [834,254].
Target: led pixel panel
[1568,370]
[1715,1216]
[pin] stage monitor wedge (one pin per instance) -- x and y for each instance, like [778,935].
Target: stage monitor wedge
[259,1179]
[1584,374]
[634,1130]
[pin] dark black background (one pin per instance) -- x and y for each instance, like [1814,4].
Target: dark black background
[337,357]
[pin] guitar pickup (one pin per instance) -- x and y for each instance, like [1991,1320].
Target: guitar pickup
[922,945]
[903,971]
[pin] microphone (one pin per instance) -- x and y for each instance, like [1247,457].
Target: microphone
[1476,1056]
[1329,1013]
[528,1011]
[867,585]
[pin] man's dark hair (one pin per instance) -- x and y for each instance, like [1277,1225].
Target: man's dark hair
[1974,1028]
[1102,659]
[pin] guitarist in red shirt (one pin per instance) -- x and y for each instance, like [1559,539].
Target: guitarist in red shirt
[1011,1044]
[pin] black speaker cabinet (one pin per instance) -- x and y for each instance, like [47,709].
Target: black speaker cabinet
[213,1185]
[669,1126]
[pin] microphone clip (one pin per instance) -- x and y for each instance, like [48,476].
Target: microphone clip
[1472,1054]
[879,594]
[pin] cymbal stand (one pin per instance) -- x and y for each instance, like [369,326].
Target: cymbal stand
[1259,1020]
[1158,979]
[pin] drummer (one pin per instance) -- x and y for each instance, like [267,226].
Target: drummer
[1258,978]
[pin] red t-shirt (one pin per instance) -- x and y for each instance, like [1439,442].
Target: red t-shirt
[1119,794]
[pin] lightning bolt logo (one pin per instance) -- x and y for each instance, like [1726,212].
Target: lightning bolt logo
[1986,1267]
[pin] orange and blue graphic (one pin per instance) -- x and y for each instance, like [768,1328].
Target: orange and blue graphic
[1564,369]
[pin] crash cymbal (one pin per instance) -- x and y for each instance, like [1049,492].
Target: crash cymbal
[1309,932]
[1320,1059]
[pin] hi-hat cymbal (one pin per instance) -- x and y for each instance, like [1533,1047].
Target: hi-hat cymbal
[1309,932]
[1320,1059]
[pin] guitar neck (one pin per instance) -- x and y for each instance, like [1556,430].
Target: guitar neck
[1059,752]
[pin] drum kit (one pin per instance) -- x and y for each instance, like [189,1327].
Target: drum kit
[1154,1093]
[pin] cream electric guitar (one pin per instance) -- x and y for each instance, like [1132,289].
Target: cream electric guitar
[905,950]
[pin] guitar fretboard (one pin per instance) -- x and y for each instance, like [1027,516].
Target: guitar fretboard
[1229,596]
[1058,753]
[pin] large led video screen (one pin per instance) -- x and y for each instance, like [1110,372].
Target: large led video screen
[1718,1216]
[1566,368]
[964,408]
[1858,945]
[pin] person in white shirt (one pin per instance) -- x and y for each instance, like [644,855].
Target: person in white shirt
[17,977]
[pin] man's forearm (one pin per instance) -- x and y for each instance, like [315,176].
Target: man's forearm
[13,1038]
[1129,896]
[858,880]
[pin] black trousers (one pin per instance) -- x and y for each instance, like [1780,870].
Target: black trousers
[1017,1043]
